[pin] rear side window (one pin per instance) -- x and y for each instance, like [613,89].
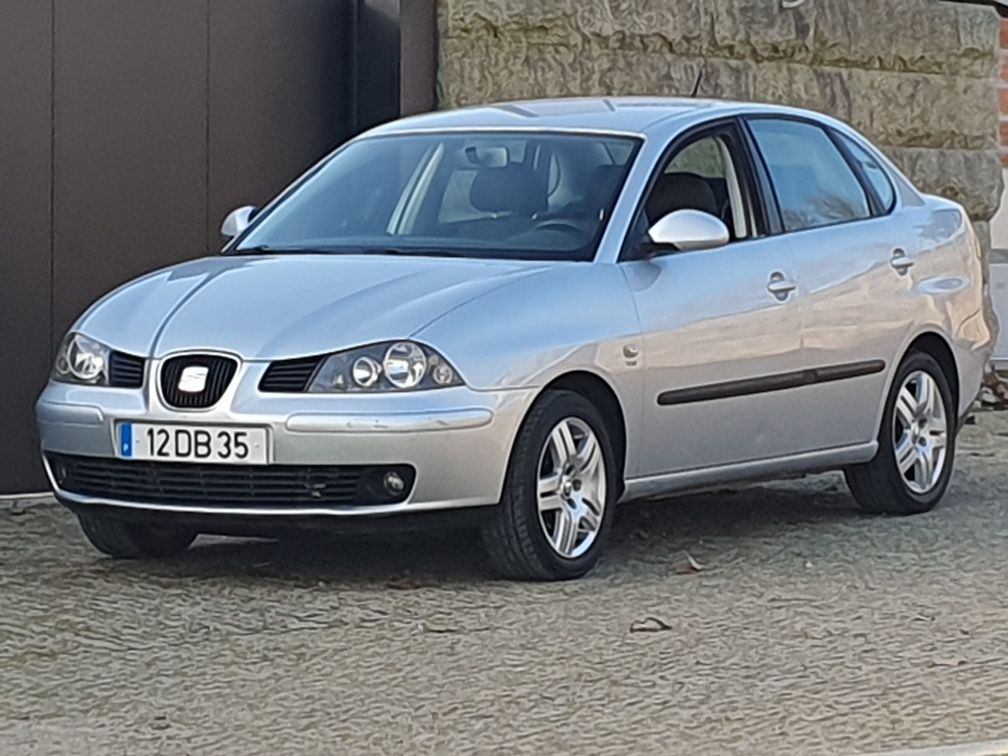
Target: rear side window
[873,172]
[815,185]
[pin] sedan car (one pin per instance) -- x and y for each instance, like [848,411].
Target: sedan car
[528,313]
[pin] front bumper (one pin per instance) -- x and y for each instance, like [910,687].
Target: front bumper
[457,440]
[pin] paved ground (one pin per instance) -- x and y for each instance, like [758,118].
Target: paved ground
[810,629]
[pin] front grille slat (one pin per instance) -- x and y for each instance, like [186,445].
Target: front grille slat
[289,376]
[126,370]
[185,484]
[220,372]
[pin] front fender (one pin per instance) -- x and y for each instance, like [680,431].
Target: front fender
[578,317]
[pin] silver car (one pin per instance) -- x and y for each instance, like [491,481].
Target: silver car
[525,314]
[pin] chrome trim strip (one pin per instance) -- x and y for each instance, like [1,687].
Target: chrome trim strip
[397,422]
[295,512]
[157,364]
[824,459]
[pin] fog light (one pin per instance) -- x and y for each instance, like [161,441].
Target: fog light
[394,483]
[59,471]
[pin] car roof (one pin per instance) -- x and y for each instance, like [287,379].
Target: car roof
[639,116]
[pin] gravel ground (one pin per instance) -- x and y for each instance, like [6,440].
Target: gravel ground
[809,629]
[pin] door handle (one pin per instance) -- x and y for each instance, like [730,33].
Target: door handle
[780,285]
[901,261]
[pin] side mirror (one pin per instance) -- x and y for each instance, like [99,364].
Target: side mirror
[688,231]
[237,221]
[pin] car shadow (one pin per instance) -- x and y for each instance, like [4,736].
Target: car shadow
[745,511]
[642,531]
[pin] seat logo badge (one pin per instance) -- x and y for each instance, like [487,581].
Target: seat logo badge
[193,379]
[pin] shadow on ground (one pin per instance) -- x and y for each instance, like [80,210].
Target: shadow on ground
[642,531]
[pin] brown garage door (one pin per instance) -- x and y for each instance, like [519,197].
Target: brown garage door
[130,127]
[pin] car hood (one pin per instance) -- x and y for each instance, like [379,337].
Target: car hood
[272,307]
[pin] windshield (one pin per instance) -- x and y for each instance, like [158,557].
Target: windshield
[496,195]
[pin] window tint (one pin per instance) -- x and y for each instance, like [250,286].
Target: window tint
[873,172]
[814,184]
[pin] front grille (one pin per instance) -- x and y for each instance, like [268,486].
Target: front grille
[290,376]
[220,371]
[184,484]
[126,370]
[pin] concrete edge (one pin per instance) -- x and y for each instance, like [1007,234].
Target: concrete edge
[23,500]
[985,748]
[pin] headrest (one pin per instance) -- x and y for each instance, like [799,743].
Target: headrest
[512,188]
[681,191]
[602,183]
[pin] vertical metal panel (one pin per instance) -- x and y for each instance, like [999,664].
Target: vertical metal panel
[418,55]
[25,56]
[377,62]
[130,143]
[279,96]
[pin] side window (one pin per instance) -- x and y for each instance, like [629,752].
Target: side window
[814,184]
[873,172]
[702,176]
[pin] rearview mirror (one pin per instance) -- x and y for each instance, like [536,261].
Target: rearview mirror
[237,221]
[688,231]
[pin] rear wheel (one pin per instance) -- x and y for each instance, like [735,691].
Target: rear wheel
[911,471]
[556,511]
[134,540]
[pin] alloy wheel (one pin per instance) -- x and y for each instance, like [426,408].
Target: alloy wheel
[920,432]
[571,487]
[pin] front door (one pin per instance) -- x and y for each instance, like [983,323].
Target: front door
[721,328]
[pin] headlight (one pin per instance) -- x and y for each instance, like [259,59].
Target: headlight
[82,360]
[391,366]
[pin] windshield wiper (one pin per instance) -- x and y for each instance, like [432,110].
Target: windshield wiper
[266,249]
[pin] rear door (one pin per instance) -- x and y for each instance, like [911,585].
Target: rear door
[837,211]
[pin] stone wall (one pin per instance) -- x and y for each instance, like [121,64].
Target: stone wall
[918,77]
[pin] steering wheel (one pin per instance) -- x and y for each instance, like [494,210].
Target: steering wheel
[559,224]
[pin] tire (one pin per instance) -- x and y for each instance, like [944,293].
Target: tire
[880,487]
[566,538]
[133,540]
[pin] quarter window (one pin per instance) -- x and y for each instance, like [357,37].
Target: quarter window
[814,184]
[873,172]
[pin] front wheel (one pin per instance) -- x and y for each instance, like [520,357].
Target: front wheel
[123,539]
[558,498]
[912,468]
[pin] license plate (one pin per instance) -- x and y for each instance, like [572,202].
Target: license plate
[193,443]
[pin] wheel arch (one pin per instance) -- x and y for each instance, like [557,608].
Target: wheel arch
[936,346]
[601,394]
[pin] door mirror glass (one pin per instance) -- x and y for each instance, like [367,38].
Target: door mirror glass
[237,221]
[688,231]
